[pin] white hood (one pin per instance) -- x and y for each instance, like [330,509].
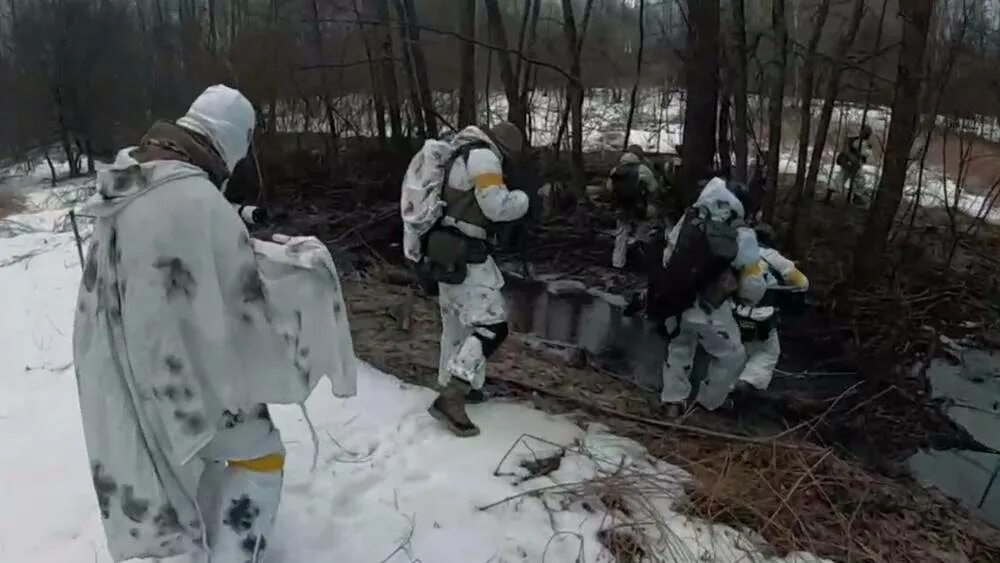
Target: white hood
[718,201]
[226,118]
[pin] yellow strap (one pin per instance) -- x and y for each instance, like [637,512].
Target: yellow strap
[797,278]
[751,270]
[271,463]
[487,181]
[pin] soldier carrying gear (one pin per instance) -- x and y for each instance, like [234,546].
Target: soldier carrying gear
[185,329]
[711,260]
[855,155]
[637,196]
[758,324]
[464,203]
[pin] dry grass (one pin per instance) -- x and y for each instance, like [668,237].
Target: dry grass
[624,546]
[801,498]
[818,502]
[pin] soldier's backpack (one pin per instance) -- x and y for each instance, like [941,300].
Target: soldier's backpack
[626,187]
[850,158]
[422,202]
[705,248]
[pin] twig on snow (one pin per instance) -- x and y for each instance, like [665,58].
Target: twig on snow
[404,544]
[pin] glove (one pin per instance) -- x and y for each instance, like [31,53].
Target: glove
[251,214]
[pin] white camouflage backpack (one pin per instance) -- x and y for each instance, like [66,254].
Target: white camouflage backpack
[421,202]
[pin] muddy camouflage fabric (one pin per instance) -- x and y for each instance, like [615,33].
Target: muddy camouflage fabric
[169,141]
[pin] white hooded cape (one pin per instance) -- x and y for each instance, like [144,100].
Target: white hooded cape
[181,317]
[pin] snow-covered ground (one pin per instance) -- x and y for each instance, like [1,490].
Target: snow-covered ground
[391,486]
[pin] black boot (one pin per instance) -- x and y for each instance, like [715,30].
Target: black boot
[636,303]
[476,397]
[449,408]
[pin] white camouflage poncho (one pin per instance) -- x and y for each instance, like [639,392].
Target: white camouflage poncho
[181,318]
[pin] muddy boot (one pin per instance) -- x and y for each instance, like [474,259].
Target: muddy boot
[476,397]
[667,411]
[672,410]
[636,303]
[449,408]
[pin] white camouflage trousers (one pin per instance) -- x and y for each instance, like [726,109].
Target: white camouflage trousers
[638,229]
[716,333]
[240,488]
[762,358]
[469,308]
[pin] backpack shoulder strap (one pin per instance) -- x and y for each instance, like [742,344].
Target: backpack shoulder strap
[462,152]
[774,271]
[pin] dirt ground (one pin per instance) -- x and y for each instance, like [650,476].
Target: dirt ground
[9,204]
[799,491]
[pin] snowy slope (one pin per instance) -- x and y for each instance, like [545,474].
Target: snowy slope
[391,484]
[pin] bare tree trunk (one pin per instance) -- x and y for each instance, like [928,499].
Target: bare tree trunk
[725,148]
[776,104]
[409,76]
[498,36]
[638,73]
[739,75]
[802,219]
[943,81]
[574,43]
[408,14]
[916,17]
[467,62]
[528,46]
[272,125]
[52,168]
[701,71]
[234,10]
[871,69]
[525,69]
[324,90]
[522,36]
[805,98]
[378,96]
[488,86]
[213,34]
[190,34]
[88,149]
[389,71]
[64,133]
[415,114]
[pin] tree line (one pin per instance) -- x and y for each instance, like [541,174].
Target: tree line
[82,77]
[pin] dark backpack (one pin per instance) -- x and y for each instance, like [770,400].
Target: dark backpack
[850,157]
[626,188]
[704,249]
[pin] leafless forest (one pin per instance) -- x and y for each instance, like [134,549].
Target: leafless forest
[81,78]
[346,89]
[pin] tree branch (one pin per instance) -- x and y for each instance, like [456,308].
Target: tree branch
[449,33]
